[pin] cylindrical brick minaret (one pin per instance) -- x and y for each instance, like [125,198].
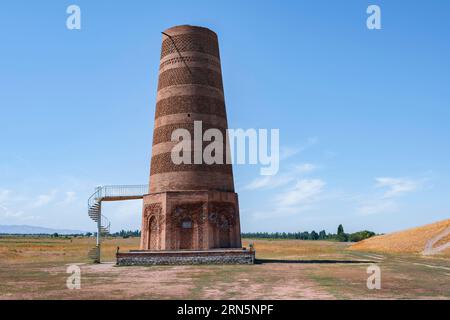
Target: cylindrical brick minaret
[189,89]
[189,206]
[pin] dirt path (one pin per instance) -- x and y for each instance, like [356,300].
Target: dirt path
[272,281]
[429,247]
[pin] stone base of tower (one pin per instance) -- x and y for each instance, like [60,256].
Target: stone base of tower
[190,220]
[186,257]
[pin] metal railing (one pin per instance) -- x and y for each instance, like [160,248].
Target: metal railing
[124,191]
[111,193]
[118,191]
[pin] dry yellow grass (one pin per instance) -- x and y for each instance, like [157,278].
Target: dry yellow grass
[40,249]
[408,241]
[36,268]
[295,249]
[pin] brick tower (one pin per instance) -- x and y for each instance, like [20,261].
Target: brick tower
[189,206]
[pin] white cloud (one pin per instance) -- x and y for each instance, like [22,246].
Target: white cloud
[305,168]
[4,194]
[304,191]
[299,198]
[295,193]
[279,180]
[396,186]
[44,199]
[70,197]
[377,207]
[8,200]
[62,205]
[393,188]
[5,212]
[268,182]
[287,152]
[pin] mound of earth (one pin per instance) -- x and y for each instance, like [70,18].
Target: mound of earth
[428,240]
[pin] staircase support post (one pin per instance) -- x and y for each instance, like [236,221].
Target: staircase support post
[99,227]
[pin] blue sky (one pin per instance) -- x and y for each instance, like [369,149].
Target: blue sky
[363,114]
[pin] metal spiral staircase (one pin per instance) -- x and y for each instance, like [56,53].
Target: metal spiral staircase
[109,193]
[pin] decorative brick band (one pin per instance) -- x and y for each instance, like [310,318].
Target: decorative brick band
[191,180]
[189,90]
[200,42]
[177,76]
[213,120]
[162,163]
[194,54]
[167,147]
[163,147]
[190,61]
[164,133]
[190,104]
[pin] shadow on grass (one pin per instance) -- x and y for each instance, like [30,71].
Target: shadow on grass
[263,261]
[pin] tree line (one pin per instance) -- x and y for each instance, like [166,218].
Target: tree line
[122,233]
[313,235]
[305,235]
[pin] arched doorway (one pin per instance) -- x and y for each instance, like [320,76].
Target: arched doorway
[186,234]
[224,233]
[152,234]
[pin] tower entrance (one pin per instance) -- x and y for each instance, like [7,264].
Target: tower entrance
[186,234]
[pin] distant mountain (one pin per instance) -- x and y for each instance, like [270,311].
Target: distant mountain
[36,230]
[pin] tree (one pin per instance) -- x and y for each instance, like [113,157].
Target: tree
[361,235]
[341,235]
[314,235]
[322,235]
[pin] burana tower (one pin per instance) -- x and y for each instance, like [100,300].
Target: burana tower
[189,206]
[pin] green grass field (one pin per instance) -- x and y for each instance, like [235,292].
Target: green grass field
[35,268]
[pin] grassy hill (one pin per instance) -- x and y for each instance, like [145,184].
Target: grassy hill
[415,240]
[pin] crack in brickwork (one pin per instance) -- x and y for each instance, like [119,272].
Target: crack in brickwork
[186,59]
[191,42]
